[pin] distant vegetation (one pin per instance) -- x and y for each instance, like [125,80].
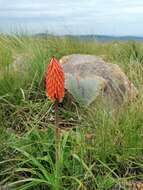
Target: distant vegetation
[105,38]
[99,38]
[99,150]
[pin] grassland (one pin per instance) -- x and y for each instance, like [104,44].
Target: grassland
[101,151]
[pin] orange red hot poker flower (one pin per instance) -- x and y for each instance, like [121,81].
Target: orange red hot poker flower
[55,81]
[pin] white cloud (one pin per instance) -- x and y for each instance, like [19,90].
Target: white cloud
[99,16]
[134,10]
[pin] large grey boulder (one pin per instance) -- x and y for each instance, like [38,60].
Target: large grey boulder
[88,77]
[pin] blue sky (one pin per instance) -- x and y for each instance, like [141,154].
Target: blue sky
[109,17]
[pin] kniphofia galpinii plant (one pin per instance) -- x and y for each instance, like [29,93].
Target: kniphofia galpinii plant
[55,81]
[55,91]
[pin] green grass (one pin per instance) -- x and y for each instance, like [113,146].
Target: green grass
[100,152]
